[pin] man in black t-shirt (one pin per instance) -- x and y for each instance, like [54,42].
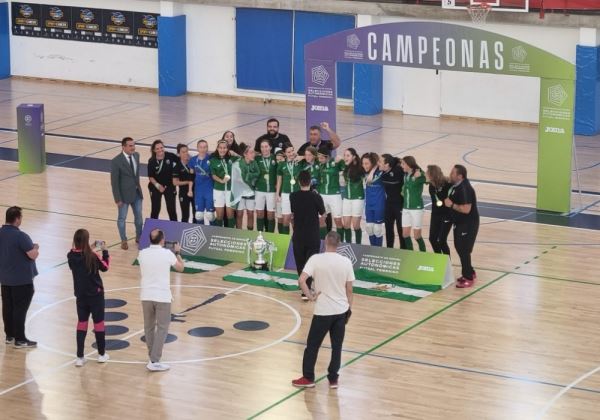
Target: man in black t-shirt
[463,203]
[306,207]
[276,138]
[315,140]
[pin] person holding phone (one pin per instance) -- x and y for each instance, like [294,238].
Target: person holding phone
[86,265]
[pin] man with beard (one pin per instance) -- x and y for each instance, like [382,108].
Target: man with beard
[276,138]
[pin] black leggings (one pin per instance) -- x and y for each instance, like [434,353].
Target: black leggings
[439,230]
[464,241]
[156,198]
[85,307]
[302,252]
[15,304]
[185,203]
[393,218]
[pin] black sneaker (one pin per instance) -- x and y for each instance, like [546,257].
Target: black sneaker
[304,297]
[9,340]
[27,344]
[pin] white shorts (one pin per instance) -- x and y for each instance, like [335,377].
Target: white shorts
[333,204]
[246,204]
[286,207]
[264,198]
[353,208]
[412,218]
[222,199]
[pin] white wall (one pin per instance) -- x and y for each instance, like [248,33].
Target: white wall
[87,61]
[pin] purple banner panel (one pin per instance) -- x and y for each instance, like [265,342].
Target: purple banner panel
[320,82]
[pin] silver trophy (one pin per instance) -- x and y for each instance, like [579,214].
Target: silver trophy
[257,250]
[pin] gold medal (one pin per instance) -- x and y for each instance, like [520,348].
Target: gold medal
[293,182]
[267,177]
[439,203]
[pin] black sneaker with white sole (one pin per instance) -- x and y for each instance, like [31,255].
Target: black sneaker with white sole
[27,344]
[9,340]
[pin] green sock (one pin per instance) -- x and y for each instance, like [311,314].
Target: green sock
[279,227]
[231,222]
[322,232]
[260,224]
[421,243]
[270,225]
[341,231]
[219,222]
[286,230]
[408,243]
[358,236]
[347,236]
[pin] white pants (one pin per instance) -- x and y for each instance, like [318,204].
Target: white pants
[222,198]
[333,205]
[412,218]
[353,208]
[286,207]
[264,198]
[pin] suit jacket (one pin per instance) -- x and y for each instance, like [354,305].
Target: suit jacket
[125,184]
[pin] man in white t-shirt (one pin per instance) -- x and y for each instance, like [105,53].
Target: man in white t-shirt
[333,276]
[155,265]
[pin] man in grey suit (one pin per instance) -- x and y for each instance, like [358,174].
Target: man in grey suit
[125,182]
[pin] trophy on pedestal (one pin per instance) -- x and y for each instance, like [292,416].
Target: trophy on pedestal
[257,251]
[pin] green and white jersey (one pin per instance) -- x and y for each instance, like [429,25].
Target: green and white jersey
[289,171]
[267,177]
[250,172]
[412,190]
[355,190]
[329,179]
[221,167]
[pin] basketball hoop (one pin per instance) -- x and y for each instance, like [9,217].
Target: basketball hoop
[479,11]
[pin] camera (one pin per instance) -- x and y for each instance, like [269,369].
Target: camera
[170,245]
[98,244]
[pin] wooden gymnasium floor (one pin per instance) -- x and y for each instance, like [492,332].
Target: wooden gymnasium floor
[527,333]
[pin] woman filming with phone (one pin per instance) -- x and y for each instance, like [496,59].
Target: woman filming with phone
[85,264]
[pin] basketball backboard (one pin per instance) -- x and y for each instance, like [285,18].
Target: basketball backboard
[496,5]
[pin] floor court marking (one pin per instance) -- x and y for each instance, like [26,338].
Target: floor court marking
[563,391]
[455,368]
[84,113]
[384,342]
[293,331]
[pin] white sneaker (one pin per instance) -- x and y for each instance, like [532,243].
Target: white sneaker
[104,358]
[79,362]
[157,367]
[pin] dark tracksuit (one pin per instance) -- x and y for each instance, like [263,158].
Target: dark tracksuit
[466,226]
[441,219]
[392,183]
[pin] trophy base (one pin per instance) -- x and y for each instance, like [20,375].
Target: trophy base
[260,267]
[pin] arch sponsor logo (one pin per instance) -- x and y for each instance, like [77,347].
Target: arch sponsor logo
[320,75]
[557,95]
[348,252]
[193,240]
[519,54]
[353,41]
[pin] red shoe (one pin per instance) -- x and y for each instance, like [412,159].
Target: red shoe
[303,383]
[474,275]
[333,384]
[464,283]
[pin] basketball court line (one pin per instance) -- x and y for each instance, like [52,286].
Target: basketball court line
[85,113]
[455,368]
[189,125]
[101,116]
[384,342]
[88,99]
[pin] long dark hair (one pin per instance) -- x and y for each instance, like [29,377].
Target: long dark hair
[411,162]
[216,154]
[392,161]
[154,143]
[232,135]
[354,171]
[81,241]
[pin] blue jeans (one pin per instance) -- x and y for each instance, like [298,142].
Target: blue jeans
[137,217]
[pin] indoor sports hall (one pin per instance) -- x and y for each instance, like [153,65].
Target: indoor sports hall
[508,90]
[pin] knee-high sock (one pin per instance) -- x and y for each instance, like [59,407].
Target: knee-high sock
[323,232]
[100,337]
[358,236]
[340,231]
[421,243]
[260,224]
[347,236]
[280,227]
[81,333]
[231,222]
[270,225]
[408,243]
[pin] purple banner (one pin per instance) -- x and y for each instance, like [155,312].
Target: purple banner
[320,94]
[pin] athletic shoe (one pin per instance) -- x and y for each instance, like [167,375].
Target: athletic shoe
[474,275]
[124,245]
[9,340]
[103,358]
[27,344]
[157,367]
[79,362]
[333,384]
[464,283]
[304,297]
[303,383]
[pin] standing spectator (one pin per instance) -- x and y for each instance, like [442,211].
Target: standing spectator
[441,216]
[306,206]
[315,140]
[155,265]
[463,203]
[333,274]
[277,139]
[17,271]
[160,175]
[393,180]
[125,183]
[85,266]
[183,177]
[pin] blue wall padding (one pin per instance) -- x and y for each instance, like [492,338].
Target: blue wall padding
[368,89]
[4,42]
[264,49]
[172,61]
[587,97]
[310,26]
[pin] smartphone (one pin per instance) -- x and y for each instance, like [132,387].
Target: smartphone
[170,245]
[98,244]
